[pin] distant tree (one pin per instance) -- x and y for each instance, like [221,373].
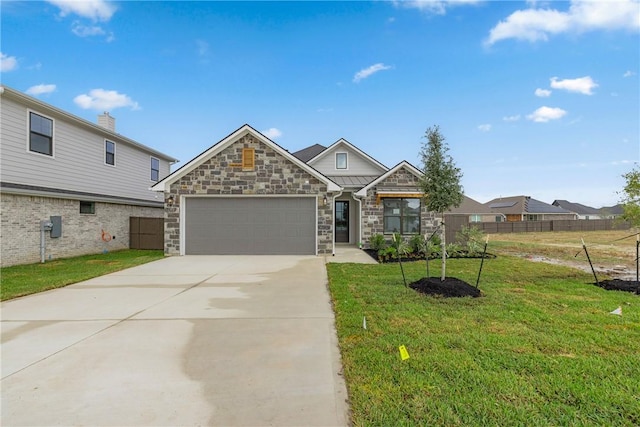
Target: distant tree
[440,182]
[631,197]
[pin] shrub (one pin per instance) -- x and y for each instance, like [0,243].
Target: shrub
[453,249]
[471,238]
[377,242]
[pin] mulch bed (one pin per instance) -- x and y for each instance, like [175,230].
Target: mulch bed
[449,287]
[619,285]
[374,254]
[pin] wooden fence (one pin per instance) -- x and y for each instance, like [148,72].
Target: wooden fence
[455,222]
[146,233]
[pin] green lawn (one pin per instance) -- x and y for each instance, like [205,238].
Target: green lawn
[538,349]
[28,279]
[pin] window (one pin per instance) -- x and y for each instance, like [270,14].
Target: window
[341,160]
[40,134]
[248,159]
[110,153]
[87,208]
[498,218]
[401,215]
[533,217]
[155,169]
[475,218]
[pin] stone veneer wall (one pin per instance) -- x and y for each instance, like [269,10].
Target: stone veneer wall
[273,175]
[81,233]
[373,213]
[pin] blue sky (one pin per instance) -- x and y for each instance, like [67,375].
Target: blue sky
[534,98]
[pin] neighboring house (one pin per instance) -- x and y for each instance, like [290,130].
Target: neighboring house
[524,208]
[248,195]
[476,211]
[84,178]
[587,212]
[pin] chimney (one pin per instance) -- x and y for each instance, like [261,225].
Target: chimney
[107,122]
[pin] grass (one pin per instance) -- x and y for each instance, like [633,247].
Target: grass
[606,248]
[21,280]
[539,348]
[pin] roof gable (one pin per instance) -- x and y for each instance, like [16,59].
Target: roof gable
[226,142]
[310,152]
[344,145]
[403,164]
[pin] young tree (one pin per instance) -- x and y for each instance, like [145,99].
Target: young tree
[440,182]
[631,198]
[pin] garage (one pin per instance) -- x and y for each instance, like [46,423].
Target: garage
[250,225]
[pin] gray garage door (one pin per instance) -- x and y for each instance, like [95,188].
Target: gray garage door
[250,226]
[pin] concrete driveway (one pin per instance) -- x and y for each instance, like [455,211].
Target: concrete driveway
[183,341]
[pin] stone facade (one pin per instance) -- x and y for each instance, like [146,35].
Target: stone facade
[223,174]
[372,210]
[81,233]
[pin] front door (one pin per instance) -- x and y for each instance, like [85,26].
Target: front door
[342,221]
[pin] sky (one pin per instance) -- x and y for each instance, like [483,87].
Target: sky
[534,98]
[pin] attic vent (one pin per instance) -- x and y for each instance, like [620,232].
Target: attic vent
[248,159]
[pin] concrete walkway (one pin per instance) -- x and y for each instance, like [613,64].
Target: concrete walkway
[184,341]
[348,253]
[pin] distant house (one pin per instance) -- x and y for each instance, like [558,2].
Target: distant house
[83,178]
[476,211]
[587,212]
[524,208]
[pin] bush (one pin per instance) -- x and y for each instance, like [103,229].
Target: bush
[377,242]
[471,239]
[454,249]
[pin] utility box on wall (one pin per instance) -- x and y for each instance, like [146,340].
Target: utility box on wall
[56,226]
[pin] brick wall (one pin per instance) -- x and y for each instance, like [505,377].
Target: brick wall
[273,174]
[81,233]
[372,211]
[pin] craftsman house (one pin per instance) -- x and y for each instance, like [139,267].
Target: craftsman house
[248,195]
[69,186]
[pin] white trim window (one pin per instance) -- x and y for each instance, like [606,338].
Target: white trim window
[475,218]
[109,153]
[40,134]
[341,161]
[155,169]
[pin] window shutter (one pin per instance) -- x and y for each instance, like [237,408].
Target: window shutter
[248,159]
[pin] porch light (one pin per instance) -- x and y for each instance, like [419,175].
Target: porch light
[170,200]
[324,200]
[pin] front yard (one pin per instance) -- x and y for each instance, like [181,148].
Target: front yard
[540,347]
[21,280]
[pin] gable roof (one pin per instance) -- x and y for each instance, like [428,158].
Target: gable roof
[471,207]
[343,141]
[164,184]
[523,204]
[309,153]
[403,164]
[43,107]
[576,207]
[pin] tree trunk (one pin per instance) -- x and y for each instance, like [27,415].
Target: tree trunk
[444,250]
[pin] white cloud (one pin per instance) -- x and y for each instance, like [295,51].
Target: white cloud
[81,30]
[7,63]
[543,93]
[436,7]
[582,85]
[96,10]
[628,73]
[538,24]
[104,100]
[511,118]
[41,89]
[366,72]
[272,133]
[544,114]
[484,127]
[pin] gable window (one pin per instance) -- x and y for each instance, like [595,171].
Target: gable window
[155,169]
[401,215]
[40,134]
[341,160]
[87,208]
[248,159]
[110,153]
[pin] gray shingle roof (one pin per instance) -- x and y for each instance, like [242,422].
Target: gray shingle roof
[309,153]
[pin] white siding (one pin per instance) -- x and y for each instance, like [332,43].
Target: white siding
[356,163]
[78,163]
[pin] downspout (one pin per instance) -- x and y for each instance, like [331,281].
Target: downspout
[333,226]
